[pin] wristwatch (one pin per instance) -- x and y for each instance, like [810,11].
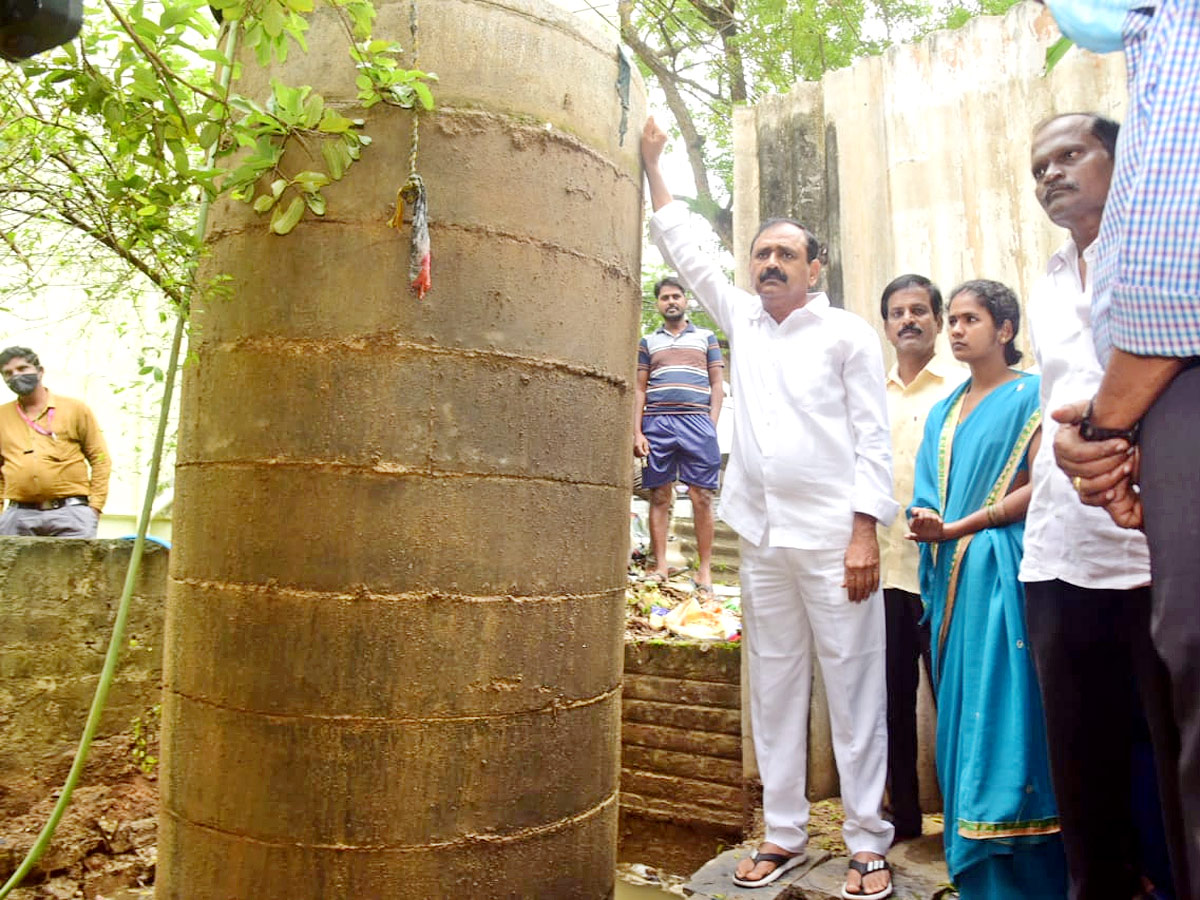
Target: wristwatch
[1090,432]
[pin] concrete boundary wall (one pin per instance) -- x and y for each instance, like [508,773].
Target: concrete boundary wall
[918,160]
[681,741]
[58,601]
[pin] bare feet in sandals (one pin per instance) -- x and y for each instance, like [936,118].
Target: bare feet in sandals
[765,865]
[874,883]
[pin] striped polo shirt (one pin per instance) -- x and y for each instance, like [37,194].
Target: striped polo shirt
[678,367]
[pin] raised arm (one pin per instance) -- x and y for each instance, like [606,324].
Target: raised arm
[654,139]
[671,232]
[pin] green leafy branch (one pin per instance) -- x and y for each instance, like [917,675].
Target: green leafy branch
[381,79]
[264,133]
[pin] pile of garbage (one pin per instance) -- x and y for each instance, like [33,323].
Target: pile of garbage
[678,607]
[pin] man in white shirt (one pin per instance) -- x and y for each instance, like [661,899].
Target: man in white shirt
[1086,580]
[911,307]
[808,479]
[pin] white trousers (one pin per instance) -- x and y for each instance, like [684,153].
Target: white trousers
[794,606]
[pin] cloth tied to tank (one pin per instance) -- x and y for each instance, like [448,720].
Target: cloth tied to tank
[412,192]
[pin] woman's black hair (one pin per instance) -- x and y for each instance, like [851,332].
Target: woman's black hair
[1002,306]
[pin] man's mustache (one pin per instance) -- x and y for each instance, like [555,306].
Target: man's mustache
[1061,188]
[772,273]
[911,329]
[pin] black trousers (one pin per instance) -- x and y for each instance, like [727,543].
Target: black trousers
[1170,484]
[906,642]
[1102,683]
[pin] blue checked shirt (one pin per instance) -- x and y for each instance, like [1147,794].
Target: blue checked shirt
[1146,292]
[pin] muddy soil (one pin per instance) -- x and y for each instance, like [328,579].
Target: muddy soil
[105,841]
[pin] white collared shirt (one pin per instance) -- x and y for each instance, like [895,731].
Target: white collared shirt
[810,438]
[908,407]
[1064,539]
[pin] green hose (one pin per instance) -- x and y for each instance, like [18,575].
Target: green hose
[135,560]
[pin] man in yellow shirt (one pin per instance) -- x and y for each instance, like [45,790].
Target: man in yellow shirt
[54,464]
[912,313]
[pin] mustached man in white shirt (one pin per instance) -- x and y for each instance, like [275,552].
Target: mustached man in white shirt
[808,479]
[1087,580]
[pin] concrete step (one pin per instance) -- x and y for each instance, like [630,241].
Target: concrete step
[726,547]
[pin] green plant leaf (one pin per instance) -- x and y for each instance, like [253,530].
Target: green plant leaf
[282,223]
[263,203]
[314,107]
[311,181]
[1057,51]
[174,15]
[209,134]
[336,158]
[316,203]
[333,122]
[274,18]
[423,94]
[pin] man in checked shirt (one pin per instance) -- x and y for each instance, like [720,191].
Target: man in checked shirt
[48,444]
[1132,447]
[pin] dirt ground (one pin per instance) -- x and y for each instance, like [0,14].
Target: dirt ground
[106,839]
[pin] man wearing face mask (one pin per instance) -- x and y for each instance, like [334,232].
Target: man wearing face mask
[54,463]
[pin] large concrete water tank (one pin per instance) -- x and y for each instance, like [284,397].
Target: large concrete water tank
[396,599]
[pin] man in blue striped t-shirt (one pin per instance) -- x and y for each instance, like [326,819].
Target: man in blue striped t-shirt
[674,424]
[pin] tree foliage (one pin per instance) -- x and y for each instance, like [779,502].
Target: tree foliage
[110,143]
[707,55]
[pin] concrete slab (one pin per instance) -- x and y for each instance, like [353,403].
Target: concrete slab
[917,867]
[714,880]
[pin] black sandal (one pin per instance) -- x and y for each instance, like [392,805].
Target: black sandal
[864,869]
[783,863]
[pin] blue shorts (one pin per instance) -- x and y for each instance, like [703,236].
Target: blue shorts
[682,448]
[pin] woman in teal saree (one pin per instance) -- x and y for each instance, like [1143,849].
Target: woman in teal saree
[969,500]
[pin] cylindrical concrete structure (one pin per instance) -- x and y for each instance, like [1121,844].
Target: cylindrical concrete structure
[396,601]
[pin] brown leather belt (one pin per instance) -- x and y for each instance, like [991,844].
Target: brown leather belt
[50,504]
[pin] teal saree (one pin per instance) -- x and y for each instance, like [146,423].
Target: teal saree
[1001,820]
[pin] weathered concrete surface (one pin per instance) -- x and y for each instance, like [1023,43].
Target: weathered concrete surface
[924,156]
[58,600]
[715,878]
[396,600]
[681,755]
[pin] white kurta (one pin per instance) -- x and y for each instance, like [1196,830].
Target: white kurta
[811,447]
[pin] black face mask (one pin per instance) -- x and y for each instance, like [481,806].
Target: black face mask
[24,384]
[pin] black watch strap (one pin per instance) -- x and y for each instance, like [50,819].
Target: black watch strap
[1090,432]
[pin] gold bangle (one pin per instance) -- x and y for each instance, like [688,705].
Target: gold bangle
[1001,514]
